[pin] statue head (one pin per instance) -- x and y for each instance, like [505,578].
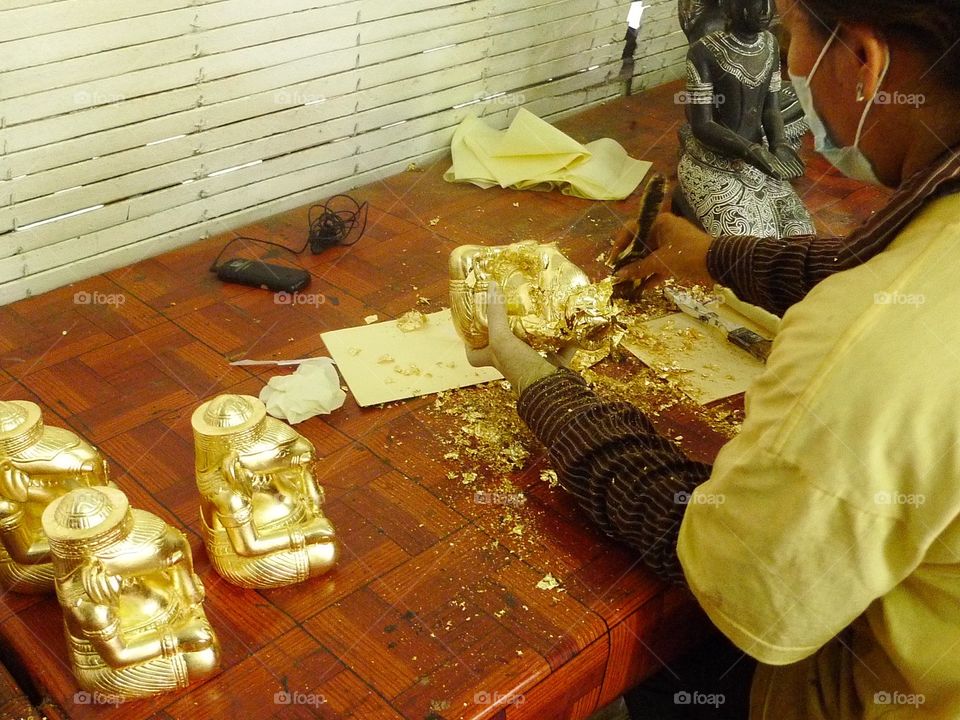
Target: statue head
[85,521]
[229,422]
[749,16]
[21,425]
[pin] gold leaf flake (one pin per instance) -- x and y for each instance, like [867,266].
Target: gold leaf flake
[412,321]
[550,478]
[549,582]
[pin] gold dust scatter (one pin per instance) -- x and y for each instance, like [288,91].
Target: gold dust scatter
[412,321]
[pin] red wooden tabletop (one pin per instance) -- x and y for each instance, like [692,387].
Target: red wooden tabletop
[434,610]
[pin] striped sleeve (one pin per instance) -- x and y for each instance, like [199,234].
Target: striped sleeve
[775,273]
[632,483]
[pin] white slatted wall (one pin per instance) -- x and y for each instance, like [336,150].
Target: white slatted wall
[129,128]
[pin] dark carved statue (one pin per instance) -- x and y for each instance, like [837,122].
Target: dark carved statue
[736,157]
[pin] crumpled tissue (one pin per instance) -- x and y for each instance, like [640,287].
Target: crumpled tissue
[314,389]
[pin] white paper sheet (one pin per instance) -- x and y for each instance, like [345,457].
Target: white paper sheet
[706,365]
[381,363]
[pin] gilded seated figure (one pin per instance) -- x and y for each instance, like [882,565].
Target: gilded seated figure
[551,302]
[38,464]
[132,605]
[261,507]
[736,157]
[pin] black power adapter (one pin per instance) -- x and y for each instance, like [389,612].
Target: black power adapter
[331,227]
[279,278]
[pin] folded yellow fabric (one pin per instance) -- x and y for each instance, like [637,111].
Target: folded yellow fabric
[533,155]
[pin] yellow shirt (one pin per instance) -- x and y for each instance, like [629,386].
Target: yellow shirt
[826,543]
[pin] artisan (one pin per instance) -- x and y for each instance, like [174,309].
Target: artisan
[824,542]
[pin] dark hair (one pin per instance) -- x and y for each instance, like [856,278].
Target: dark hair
[933,25]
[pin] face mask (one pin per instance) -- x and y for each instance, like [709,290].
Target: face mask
[849,160]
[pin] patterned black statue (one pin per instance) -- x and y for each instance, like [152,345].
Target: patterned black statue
[701,17]
[736,158]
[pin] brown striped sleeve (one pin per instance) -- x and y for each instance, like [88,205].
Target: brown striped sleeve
[631,482]
[771,272]
[776,273]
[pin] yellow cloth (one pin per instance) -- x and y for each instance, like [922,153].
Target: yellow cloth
[533,155]
[834,555]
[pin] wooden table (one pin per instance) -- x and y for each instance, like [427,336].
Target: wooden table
[426,617]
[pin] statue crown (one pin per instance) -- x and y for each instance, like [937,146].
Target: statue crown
[233,418]
[12,416]
[21,425]
[83,510]
[86,520]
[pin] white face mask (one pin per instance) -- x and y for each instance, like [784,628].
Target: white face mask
[849,160]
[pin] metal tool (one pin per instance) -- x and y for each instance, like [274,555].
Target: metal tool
[740,336]
[279,363]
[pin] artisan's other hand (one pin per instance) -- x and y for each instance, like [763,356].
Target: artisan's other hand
[681,253]
[517,362]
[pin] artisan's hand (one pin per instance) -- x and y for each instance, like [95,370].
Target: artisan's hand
[626,235]
[790,163]
[681,254]
[517,362]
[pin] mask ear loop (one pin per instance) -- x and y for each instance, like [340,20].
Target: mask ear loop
[866,110]
[823,54]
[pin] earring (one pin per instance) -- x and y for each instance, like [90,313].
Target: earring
[860,96]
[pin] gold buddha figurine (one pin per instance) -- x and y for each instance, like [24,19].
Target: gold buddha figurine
[261,507]
[550,301]
[132,605]
[38,464]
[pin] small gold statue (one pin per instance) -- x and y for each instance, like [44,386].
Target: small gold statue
[38,464]
[132,605]
[261,508]
[550,301]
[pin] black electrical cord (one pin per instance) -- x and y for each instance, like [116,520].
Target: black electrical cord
[329,229]
[333,227]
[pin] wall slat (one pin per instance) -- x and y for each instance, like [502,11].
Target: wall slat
[127,129]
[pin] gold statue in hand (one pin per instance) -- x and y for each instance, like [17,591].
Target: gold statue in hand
[262,509]
[38,464]
[550,301]
[132,605]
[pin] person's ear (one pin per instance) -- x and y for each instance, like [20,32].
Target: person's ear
[869,56]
